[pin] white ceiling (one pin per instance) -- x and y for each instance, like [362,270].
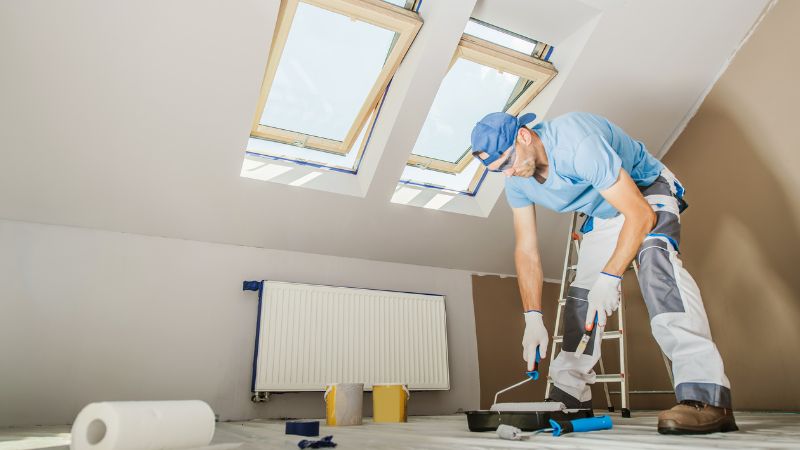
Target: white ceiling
[133,117]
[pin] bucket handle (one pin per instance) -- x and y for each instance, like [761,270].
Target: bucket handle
[327,390]
[408,394]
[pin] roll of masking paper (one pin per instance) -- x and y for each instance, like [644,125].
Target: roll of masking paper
[143,425]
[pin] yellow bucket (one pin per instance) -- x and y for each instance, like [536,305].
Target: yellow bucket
[389,402]
[343,403]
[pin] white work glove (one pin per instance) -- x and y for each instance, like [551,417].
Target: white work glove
[603,299]
[535,335]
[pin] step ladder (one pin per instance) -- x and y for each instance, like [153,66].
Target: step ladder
[567,276]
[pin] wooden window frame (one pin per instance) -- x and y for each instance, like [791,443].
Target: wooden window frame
[505,60]
[375,12]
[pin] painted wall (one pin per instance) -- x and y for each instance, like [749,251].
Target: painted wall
[123,141]
[739,161]
[95,315]
[499,327]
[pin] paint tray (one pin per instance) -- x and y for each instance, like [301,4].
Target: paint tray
[486,420]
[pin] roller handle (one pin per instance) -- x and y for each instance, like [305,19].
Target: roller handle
[534,374]
[581,425]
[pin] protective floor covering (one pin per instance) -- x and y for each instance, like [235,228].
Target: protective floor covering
[758,430]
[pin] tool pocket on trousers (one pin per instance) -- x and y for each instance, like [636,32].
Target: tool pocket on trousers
[657,280]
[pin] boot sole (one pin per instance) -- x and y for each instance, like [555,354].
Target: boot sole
[672,427]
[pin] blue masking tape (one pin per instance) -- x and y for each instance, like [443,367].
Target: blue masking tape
[303,427]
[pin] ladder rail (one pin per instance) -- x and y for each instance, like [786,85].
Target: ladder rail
[561,296]
[622,377]
[623,359]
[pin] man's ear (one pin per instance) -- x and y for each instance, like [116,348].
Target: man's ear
[524,136]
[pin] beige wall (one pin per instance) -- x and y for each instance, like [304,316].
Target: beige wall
[739,160]
[499,327]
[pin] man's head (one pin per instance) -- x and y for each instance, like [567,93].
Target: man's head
[498,139]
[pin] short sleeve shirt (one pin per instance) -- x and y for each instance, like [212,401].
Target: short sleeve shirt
[585,153]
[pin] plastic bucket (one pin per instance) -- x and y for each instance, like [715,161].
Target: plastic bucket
[343,403]
[390,402]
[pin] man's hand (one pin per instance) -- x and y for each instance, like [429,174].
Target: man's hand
[604,299]
[535,336]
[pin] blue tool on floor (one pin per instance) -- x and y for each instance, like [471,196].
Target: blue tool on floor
[303,427]
[561,427]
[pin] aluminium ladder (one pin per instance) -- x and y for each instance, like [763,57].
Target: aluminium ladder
[567,275]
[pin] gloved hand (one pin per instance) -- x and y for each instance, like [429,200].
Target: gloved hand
[535,335]
[604,299]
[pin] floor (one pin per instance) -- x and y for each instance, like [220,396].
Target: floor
[758,430]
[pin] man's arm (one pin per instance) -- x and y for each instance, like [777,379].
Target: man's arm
[526,257]
[640,219]
[529,277]
[604,296]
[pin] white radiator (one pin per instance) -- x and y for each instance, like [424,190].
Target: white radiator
[310,336]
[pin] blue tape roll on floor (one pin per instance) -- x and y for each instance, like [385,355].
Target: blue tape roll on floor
[303,427]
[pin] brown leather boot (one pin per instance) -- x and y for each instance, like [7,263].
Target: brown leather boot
[693,417]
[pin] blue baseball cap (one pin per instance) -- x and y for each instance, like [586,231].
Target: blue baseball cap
[496,133]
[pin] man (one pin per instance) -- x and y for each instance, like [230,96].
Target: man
[582,162]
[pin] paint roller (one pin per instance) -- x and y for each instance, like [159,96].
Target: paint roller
[558,428]
[526,406]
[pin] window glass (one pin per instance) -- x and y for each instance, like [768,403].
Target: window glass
[326,70]
[457,182]
[294,153]
[506,39]
[469,92]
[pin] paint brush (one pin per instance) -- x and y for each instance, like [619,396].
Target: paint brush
[585,339]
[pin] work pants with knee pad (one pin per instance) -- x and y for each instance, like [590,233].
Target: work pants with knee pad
[677,317]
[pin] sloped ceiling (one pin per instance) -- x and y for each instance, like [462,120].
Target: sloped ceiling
[133,116]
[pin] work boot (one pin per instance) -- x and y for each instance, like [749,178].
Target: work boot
[693,417]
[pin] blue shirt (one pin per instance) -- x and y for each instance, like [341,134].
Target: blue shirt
[585,153]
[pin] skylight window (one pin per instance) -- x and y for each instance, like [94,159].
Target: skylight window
[469,91]
[505,38]
[484,77]
[317,90]
[329,64]
[508,39]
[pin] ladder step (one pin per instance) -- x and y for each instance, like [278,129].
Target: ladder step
[610,378]
[665,391]
[606,335]
[607,378]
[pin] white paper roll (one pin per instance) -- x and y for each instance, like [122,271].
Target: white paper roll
[143,425]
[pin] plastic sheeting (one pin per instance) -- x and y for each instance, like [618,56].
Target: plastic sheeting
[758,430]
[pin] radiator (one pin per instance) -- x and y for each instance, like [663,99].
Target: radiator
[309,336]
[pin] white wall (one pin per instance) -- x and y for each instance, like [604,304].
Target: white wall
[91,315]
[133,116]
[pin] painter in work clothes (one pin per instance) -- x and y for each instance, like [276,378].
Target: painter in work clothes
[582,162]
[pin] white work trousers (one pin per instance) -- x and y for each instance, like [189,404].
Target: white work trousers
[677,317]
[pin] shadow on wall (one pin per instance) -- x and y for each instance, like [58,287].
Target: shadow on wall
[740,242]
